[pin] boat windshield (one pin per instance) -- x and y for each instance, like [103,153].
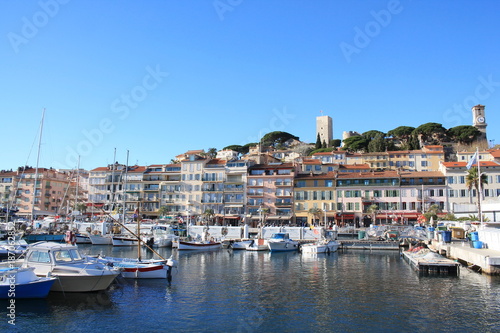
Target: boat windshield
[279,236]
[39,256]
[67,255]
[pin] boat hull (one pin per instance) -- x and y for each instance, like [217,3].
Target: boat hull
[81,284]
[145,272]
[320,248]
[23,283]
[198,246]
[283,246]
[258,245]
[101,240]
[123,241]
[33,238]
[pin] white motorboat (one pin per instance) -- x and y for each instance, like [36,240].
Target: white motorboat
[161,236]
[323,246]
[258,244]
[75,273]
[281,242]
[101,239]
[241,245]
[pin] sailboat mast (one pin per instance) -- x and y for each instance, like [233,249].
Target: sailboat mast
[36,168]
[125,189]
[113,181]
[76,190]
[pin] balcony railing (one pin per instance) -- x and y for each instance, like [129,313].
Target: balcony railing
[255,194]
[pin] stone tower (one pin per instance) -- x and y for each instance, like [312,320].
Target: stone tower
[479,120]
[325,129]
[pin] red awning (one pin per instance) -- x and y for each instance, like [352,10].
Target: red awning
[345,216]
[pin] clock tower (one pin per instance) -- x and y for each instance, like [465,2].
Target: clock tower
[479,120]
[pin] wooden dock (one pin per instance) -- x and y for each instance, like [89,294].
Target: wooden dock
[431,263]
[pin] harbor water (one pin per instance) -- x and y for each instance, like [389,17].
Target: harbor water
[239,291]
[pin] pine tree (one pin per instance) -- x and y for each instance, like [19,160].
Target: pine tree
[318,142]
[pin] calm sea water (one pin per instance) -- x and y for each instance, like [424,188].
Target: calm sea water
[226,291]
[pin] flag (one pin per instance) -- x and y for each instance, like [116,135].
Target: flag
[472,161]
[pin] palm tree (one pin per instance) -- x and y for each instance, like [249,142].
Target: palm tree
[431,214]
[316,213]
[81,207]
[472,181]
[209,214]
[372,211]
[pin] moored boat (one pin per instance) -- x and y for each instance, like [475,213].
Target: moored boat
[124,241]
[207,245]
[140,269]
[241,245]
[323,246]
[97,239]
[19,282]
[281,242]
[258,244]
[75,273]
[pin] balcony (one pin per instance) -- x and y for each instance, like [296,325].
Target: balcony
[212,190]
[255,194]
[283,194]
[283,204]
[289,184]
[255,185]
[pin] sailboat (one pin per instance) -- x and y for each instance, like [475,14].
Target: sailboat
[138,268]
[37,235]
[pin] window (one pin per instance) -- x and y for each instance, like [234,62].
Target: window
[328,183]
[39,256]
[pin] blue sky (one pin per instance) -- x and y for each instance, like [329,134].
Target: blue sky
[159,78]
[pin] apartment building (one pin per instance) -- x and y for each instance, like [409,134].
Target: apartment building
[50,196]
[461,200]
[270,193]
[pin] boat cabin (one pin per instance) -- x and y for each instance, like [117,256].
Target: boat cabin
[280,236]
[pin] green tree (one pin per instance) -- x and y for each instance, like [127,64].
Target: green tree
[276,138]
[431,133]
[335,143]
[372,211]
[377,144]
[212,152]
[318,142]
[315,212]
[464,134]
[209,215]
[370,135]
[163,211]
[324,145]
[356,143]
[472,180]
[431,214]
[81,207]
[402,134]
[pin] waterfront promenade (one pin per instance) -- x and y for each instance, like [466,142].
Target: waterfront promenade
[485,260]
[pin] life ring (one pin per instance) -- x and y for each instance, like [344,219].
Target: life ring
[224,231]
[88,229]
